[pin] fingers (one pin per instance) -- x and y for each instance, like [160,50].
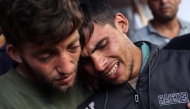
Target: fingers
[188,105]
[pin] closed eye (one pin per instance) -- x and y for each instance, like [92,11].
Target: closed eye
[74,47]
[103,44]
[100,44]
[45,57]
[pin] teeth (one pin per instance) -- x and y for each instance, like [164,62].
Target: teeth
[113,69]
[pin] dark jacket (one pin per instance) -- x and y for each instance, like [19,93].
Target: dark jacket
[163,84]
[179,43]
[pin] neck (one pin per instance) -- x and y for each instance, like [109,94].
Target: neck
[137,59]
[2,40]
[169,29]
[21,69]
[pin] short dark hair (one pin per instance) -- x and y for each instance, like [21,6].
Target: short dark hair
[38,21]
[95,11]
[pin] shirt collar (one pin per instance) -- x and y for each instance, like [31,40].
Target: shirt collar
[152,30]
[150,27]
[145,49]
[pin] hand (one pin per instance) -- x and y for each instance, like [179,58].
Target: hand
[89,81]
[188,105]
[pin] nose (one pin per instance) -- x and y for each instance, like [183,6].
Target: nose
[65,63]
[99,61]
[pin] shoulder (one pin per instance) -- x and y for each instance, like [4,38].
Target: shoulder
[7,95]
[179,43]
[185,24]
[169,60]
[140,34]
[181,38]
[175,55]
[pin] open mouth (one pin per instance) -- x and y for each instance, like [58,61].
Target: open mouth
[113,70]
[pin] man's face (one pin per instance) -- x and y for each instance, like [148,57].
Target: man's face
[164,9]
[107,54]
[53,66]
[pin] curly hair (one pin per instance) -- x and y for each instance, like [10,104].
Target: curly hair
[38,21]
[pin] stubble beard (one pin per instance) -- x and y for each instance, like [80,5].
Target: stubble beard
[164,18]
[131,64]
[48,83]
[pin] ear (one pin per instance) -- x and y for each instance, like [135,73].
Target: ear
[121,22]
[14,53]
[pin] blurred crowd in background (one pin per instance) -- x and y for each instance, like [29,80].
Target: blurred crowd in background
[138,13]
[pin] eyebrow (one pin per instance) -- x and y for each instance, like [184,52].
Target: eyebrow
[45,50]
[98,44]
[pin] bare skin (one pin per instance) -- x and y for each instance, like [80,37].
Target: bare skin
[2,40]
[188,105]
[110,54]
[52,66]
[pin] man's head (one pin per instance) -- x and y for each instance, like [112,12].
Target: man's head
[164,10]
[107,53]
[43,38]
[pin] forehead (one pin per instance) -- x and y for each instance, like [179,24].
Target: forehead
[99,32]
[91,39]
[31,47]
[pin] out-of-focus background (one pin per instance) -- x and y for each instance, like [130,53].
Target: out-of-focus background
[138,14]
[184,9]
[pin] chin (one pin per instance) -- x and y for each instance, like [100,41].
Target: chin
[63,88]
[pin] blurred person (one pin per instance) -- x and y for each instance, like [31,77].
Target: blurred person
[136,11]
[43,38]
[164,26]
[5,60]
[142,76]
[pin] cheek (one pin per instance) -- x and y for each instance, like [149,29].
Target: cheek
[114,46]
[75,57]
[45,68]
